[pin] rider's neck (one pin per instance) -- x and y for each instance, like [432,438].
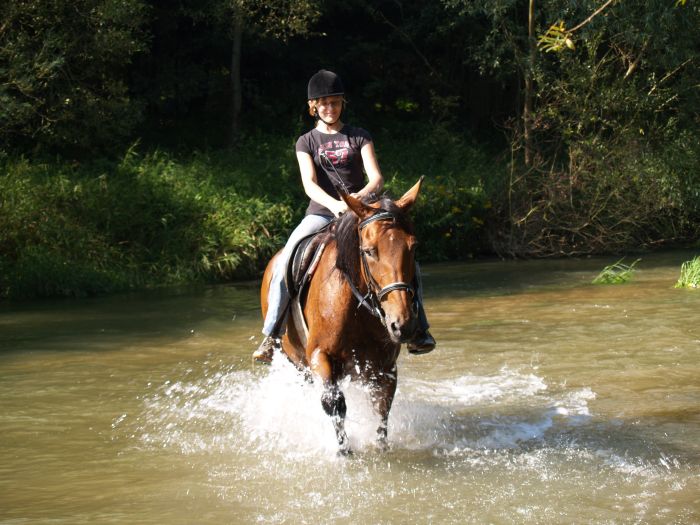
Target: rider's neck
[329,128]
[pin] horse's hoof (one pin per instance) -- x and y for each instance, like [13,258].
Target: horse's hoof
[345,453]
[382,446]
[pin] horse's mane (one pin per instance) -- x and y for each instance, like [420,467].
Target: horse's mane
[347,236]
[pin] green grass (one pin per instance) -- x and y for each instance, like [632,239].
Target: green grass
[690,274]
[617,273]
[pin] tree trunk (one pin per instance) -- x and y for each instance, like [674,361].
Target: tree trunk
[529,88]
[236,88]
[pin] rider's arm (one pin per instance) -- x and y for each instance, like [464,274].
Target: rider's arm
[311,187]
[375,181]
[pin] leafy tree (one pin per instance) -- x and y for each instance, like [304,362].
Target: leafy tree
[602,157]
[62,71]
[279,19]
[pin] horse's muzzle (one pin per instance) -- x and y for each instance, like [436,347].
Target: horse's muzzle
[402,330]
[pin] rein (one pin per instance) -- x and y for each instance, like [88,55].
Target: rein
[373,298]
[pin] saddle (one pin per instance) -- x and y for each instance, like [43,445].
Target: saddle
[300,268]
[302,262]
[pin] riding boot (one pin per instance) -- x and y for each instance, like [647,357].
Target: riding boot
[266,350]
[422,342]
[272,342]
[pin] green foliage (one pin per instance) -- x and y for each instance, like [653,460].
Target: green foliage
[63,71]
[454,204]
[615,161]
[690,274]
[69,229]
[617,273]
[145,220]
[281,19]
[614,167]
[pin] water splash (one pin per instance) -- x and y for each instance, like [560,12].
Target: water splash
[264,445]
[275,409]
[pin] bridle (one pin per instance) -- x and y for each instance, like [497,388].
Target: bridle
[375,293]
[373,298]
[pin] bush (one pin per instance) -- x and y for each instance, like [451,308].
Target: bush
[70,229]
[454,203]
[64,72]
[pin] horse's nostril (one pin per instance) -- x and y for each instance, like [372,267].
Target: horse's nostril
[401,331]
[397,329]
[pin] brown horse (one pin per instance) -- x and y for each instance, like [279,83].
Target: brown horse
[359,307]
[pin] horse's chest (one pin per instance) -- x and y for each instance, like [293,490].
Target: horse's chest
[331,302]
[329,311]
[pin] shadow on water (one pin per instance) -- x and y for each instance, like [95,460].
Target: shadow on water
[65,324]
[163,315]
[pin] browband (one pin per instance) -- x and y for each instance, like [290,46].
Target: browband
[381,216]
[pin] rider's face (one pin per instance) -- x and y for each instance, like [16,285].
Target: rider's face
[330,108]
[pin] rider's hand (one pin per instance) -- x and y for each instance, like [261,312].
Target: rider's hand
[338,208]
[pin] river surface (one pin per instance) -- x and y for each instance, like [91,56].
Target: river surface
[548,400]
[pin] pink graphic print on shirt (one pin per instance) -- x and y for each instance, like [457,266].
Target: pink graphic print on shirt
[337,151]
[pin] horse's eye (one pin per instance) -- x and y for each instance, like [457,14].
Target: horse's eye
[370,252]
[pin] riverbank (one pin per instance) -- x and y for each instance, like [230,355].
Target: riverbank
[71,228]
[155,218]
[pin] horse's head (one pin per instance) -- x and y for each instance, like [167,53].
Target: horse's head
[387,260]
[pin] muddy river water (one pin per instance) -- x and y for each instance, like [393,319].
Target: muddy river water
[548,400]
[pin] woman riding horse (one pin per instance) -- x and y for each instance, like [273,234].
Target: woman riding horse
[348,150]
[357,308]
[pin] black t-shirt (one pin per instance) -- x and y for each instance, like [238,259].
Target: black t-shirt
[343,150]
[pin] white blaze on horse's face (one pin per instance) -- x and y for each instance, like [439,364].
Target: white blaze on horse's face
[388,262]
[389,252]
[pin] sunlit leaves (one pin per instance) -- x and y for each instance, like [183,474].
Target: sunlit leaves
[556,39]
[279,19]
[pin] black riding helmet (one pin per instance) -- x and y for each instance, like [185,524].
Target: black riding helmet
[325,84]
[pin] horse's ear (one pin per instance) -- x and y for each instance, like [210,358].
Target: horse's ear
[356,205]
[409,198]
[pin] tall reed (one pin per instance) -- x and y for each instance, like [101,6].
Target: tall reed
[690,274]
[616,273]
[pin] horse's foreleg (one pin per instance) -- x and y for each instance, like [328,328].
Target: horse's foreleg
[333,402]
[332,399]
[382,398]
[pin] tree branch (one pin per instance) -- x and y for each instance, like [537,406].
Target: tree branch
[406,37]
[595,13]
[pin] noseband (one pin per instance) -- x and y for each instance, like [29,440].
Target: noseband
[372,300]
